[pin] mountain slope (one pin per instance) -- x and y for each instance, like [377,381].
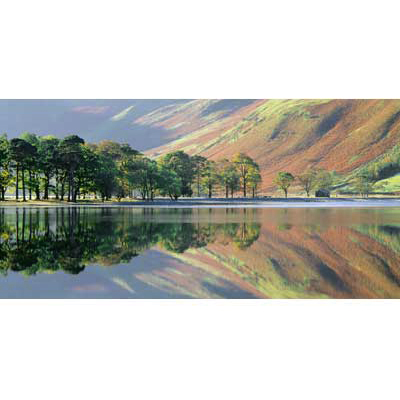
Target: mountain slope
[198,117]
[136,122]
[94,120]
[292,135]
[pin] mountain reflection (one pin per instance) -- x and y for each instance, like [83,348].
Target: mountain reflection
[200,253]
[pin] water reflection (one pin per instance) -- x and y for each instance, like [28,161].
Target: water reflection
[68,239]
[200,253]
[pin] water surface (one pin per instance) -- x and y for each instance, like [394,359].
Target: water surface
[122,252]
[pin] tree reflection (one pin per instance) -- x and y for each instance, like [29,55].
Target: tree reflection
[68,239]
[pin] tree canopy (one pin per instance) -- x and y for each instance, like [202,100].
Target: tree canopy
[284,180]
[46,167]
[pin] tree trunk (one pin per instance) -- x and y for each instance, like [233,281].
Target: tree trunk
[285,190]
[226,191]
[46,188]
[75,193]
[254,192]
[56,188]
[23,185]
[244,187]
[209,191]
[70,188]
[37,192]
[17,183]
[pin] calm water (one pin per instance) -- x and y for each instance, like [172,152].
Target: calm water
[199,253]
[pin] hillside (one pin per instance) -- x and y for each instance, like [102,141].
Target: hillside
[291,135]
[94,120]
[186,122]
[119,120]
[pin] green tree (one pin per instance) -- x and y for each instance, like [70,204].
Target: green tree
[169,183]
[244,164]
[143,175]
[5,172]
[48,157]
[21,153]
[182,165]
[105,180]
[308,180]
[228,177]
[199,165]
[71,154]
[209,177]
[87,171]
[151,177]
[111,176]
[324,179]
[284,180]
[6,179]
[365,184]
[254,179]
[33,164]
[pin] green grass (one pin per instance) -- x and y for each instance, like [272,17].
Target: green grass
[391,184]
[388,185]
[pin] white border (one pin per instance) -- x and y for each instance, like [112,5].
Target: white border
[193,49]
[199,349]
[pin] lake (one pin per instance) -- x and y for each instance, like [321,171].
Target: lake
[123,252]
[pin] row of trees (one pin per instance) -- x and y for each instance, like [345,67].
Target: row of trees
[309,180]
[383,167]
[229,176]
[66,167]
[364,182]
[41,166]
[368,178]
[178,174]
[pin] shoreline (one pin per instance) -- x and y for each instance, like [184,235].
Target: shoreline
[294,202]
